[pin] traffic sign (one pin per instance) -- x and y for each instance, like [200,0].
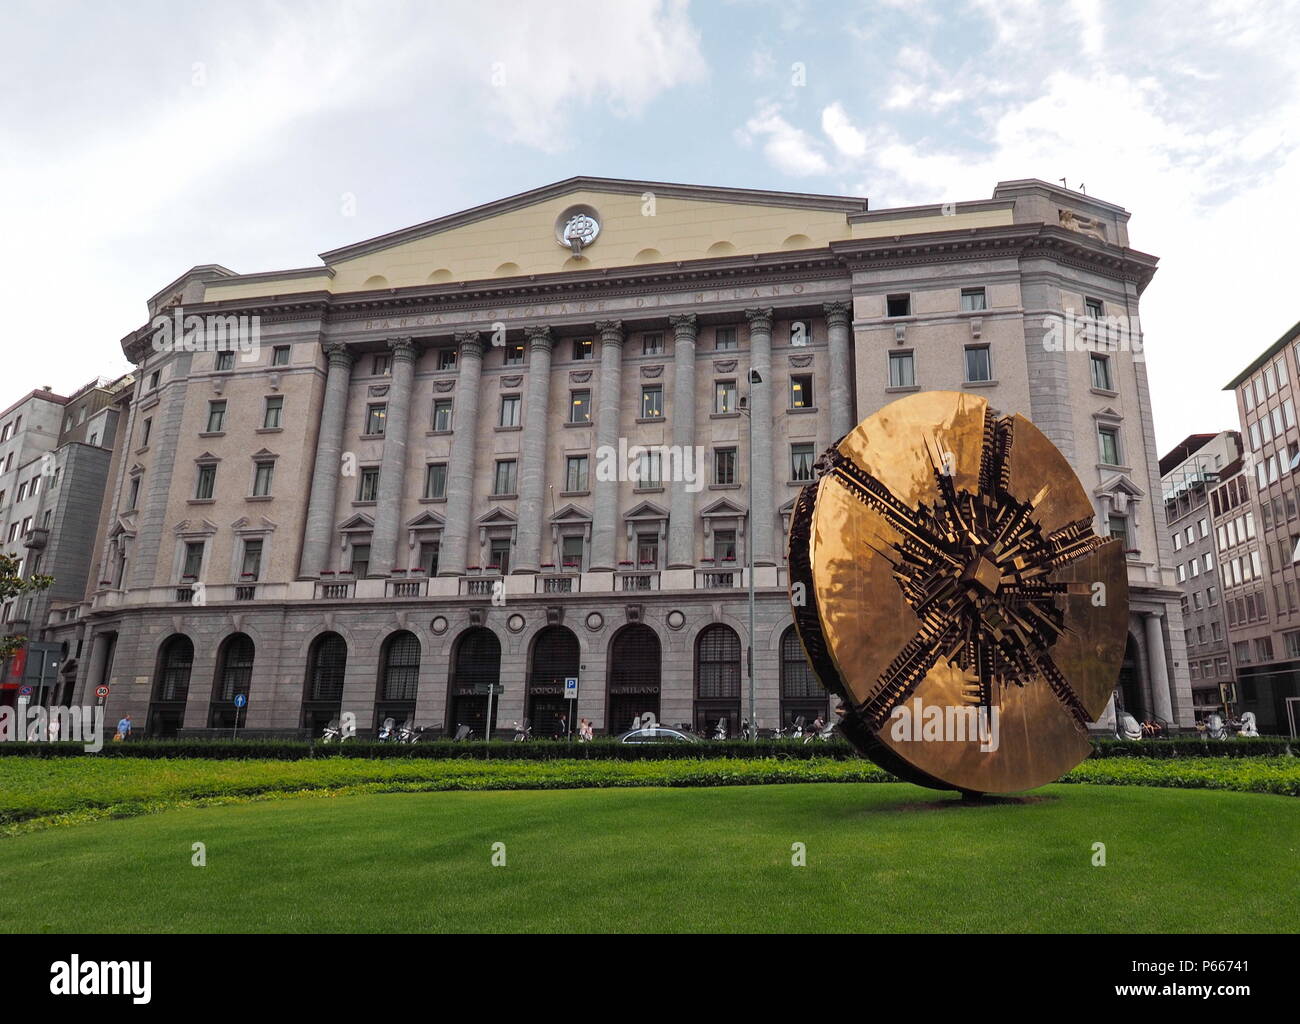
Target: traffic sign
[571,688]
[240,700]
[101,691]
[24,691]
[486,688]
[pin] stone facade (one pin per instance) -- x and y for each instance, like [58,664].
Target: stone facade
[421,482]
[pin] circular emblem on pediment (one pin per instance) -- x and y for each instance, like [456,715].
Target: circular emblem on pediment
[577,227]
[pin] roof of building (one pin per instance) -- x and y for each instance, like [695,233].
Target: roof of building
[1183,450]
[1265,356]
[45,394]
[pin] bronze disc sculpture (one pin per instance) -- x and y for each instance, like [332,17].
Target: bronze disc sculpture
[947,584]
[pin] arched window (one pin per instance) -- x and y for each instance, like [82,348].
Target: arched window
[634,677]
[327,663]
[399,678]
[717,680]
[234,677]
[556,657]
[802,695]
[171,686]
[475,666]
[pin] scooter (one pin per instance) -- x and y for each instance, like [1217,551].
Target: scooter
[524,732]
[720,733]
[333,732]
[387,731]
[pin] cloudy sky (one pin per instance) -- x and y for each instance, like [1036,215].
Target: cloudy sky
[137,140]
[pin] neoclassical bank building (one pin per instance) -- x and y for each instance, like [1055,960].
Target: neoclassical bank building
[545,438]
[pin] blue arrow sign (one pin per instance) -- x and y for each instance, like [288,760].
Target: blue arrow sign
[240,700]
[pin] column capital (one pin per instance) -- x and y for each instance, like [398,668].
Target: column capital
[838,314]
[684,324]
[402,348]
[611,331]
[539,336]
[338,354]
[760,319]
[470,343]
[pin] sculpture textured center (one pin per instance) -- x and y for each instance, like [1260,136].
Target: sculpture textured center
[981,576]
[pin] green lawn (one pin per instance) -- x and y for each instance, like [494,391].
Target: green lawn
[881,857]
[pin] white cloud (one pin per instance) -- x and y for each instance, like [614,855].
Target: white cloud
[847,139]
[791,150]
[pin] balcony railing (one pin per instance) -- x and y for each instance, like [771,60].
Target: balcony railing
[638,580]
[334,591]
[716,579]
[246,592]
[36,537]
[185,594]
[558,583]
[407,588]
[478,586]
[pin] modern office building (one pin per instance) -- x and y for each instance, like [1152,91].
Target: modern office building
[1188,475]
[512,446]
[1259,557]
[50,504]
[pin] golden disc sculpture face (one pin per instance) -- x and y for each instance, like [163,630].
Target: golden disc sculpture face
[947,584]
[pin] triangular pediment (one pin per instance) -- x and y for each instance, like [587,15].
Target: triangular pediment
[360,521]
[1119,482]
[722,507]
[640,223]
[647,510]
[571,514]
[496,516]
[426,521]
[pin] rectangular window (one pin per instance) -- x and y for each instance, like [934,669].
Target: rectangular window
[22,492]
[724,396]
[435,480]
[382,366]
[442,415]
[571,553]
[251,566]
[902,370]
[580,406]
[582,348]
[499,555]
[272,417]
[429,551]
[360,565]
[801,391]
[652,401]
[1101,372]
[978,365]
[368,485]
[154,379]
[133,500]
[724,545]
[724,466]
[652,345]
[504,480]
[514,355]
[647,551]
[146,428]
[376,418]
[724,339]
[1093,308]
[510,406]
[207,482]
[801,462]
[973,300]
[1108,445]
[575,473]
[1118,529]
[446,359]
[262,479]
[649,471]
[216,417]
[280,355]
[225,361]
[193,559]
[898,305]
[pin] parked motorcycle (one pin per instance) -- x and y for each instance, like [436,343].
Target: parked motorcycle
[387,731]
[524,732]
[333,732]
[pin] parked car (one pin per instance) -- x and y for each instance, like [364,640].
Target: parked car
[658,734]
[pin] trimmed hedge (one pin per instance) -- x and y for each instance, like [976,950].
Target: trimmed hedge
[601,749]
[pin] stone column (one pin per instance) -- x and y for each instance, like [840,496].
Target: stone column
[94,668]
[1159,673]
[762,505]
[532,452]
[460,469]
[604,514]
[681,505]
[318,534]
[392,468]
[840,369]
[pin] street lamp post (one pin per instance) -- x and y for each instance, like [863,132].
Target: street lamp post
[754,378]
